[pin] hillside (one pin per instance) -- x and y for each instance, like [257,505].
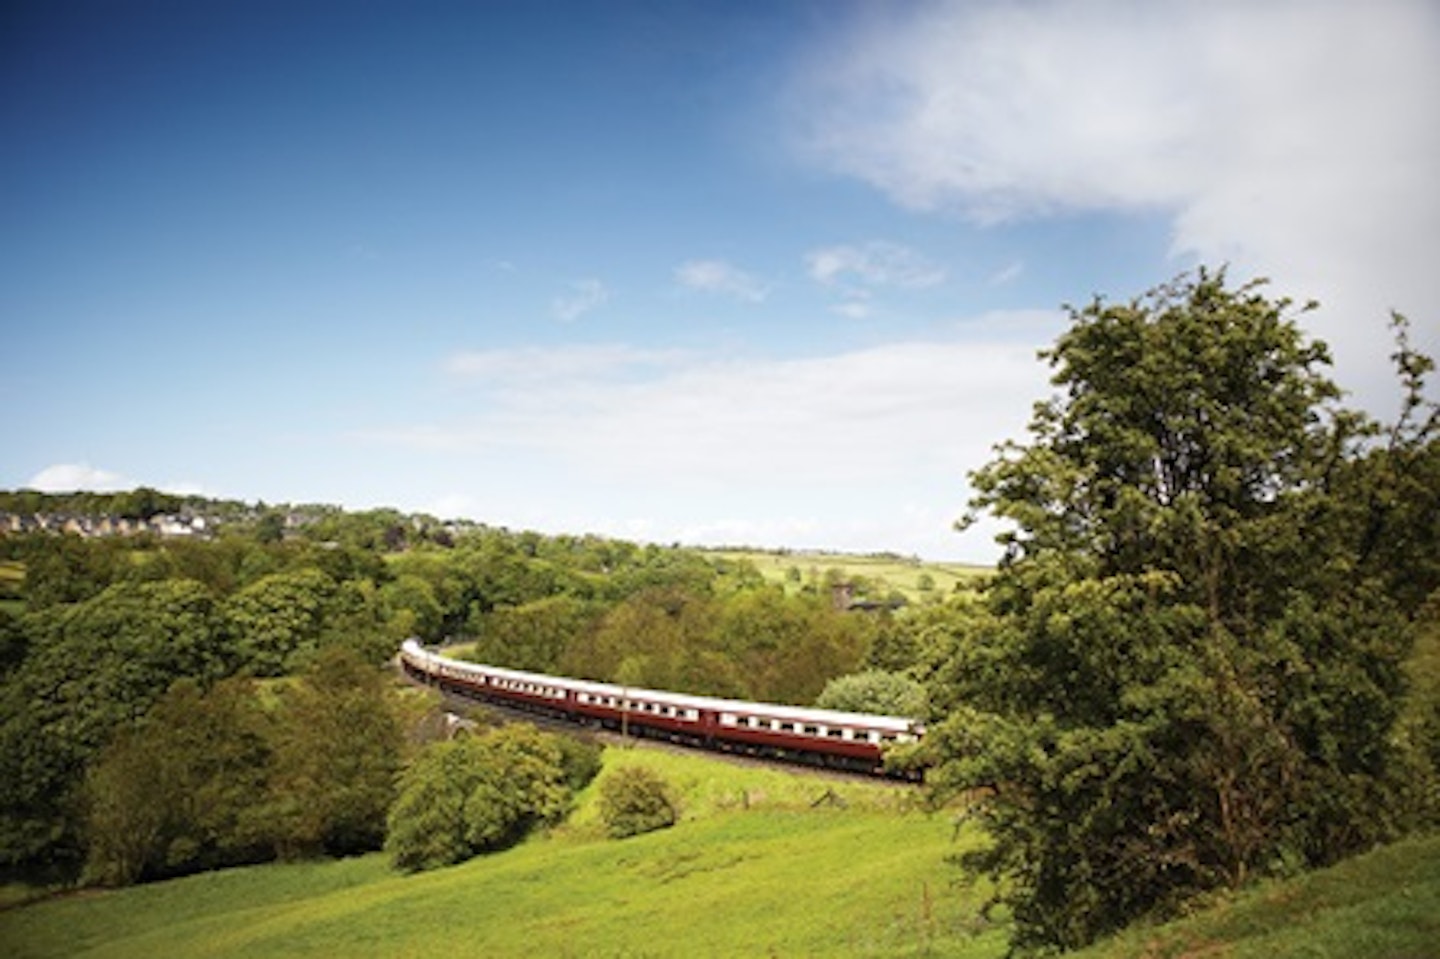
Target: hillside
[1383,904]
[763,863]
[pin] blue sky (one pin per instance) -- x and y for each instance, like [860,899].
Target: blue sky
[761,273]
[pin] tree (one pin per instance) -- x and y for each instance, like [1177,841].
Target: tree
[636,800]
[1184,674]
[277,620]
[183,790]
[91,669]
[874,691]
[477,794]
[535,636]
[337,753]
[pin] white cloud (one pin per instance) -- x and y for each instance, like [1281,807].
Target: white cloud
[584,296]
[873,264]
[1293,138]
[73,477]
[718,276]
[681,446]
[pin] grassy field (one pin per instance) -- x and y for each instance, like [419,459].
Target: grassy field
[763,863]
[897,573]
[755,868]
[1384,904]
[12,586]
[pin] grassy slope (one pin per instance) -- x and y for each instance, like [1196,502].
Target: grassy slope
[899,574]
[752,870]
[1386,903]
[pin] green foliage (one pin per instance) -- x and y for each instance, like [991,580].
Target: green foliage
[477,794]
[91,668]
[636,800]
[65,569]
[535,636]
[874,691]
[186,789]
[1418,728]
[94,630]
[753,643]
[414,610]
[1189,669]
[209,778]
[337,753]
[277,620]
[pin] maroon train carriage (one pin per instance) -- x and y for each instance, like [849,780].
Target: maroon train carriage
[853,741]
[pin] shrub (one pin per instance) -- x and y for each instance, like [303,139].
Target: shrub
[636,800]
[475,795]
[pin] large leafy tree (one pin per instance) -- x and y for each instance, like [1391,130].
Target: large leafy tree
[478,794]
[1187,670]
[91,668]
[277,621]
[337,753]
[184,789]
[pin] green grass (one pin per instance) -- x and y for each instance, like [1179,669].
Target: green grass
[897,573]
[753,869]
[12,580]
[1385,903]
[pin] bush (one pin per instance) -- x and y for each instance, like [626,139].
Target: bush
[477,794]
[636,800]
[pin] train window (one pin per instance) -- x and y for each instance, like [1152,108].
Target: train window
[812,730]
[753,722]
[692,714]
[728,719]
[834,733]
[777,725]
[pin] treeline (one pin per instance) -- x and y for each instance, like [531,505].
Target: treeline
[235,773]
[108,644]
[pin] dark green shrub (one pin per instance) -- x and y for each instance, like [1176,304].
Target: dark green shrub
[636,800]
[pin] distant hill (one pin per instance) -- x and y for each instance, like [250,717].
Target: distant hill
[876,574]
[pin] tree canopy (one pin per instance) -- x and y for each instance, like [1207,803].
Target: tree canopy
[1189,665]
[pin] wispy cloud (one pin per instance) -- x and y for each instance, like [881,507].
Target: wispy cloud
[581,298]
[718,276]
[873,264]
[1292,138]
[1008,274]
[855,272]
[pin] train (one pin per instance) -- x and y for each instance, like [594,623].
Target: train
[856,742]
